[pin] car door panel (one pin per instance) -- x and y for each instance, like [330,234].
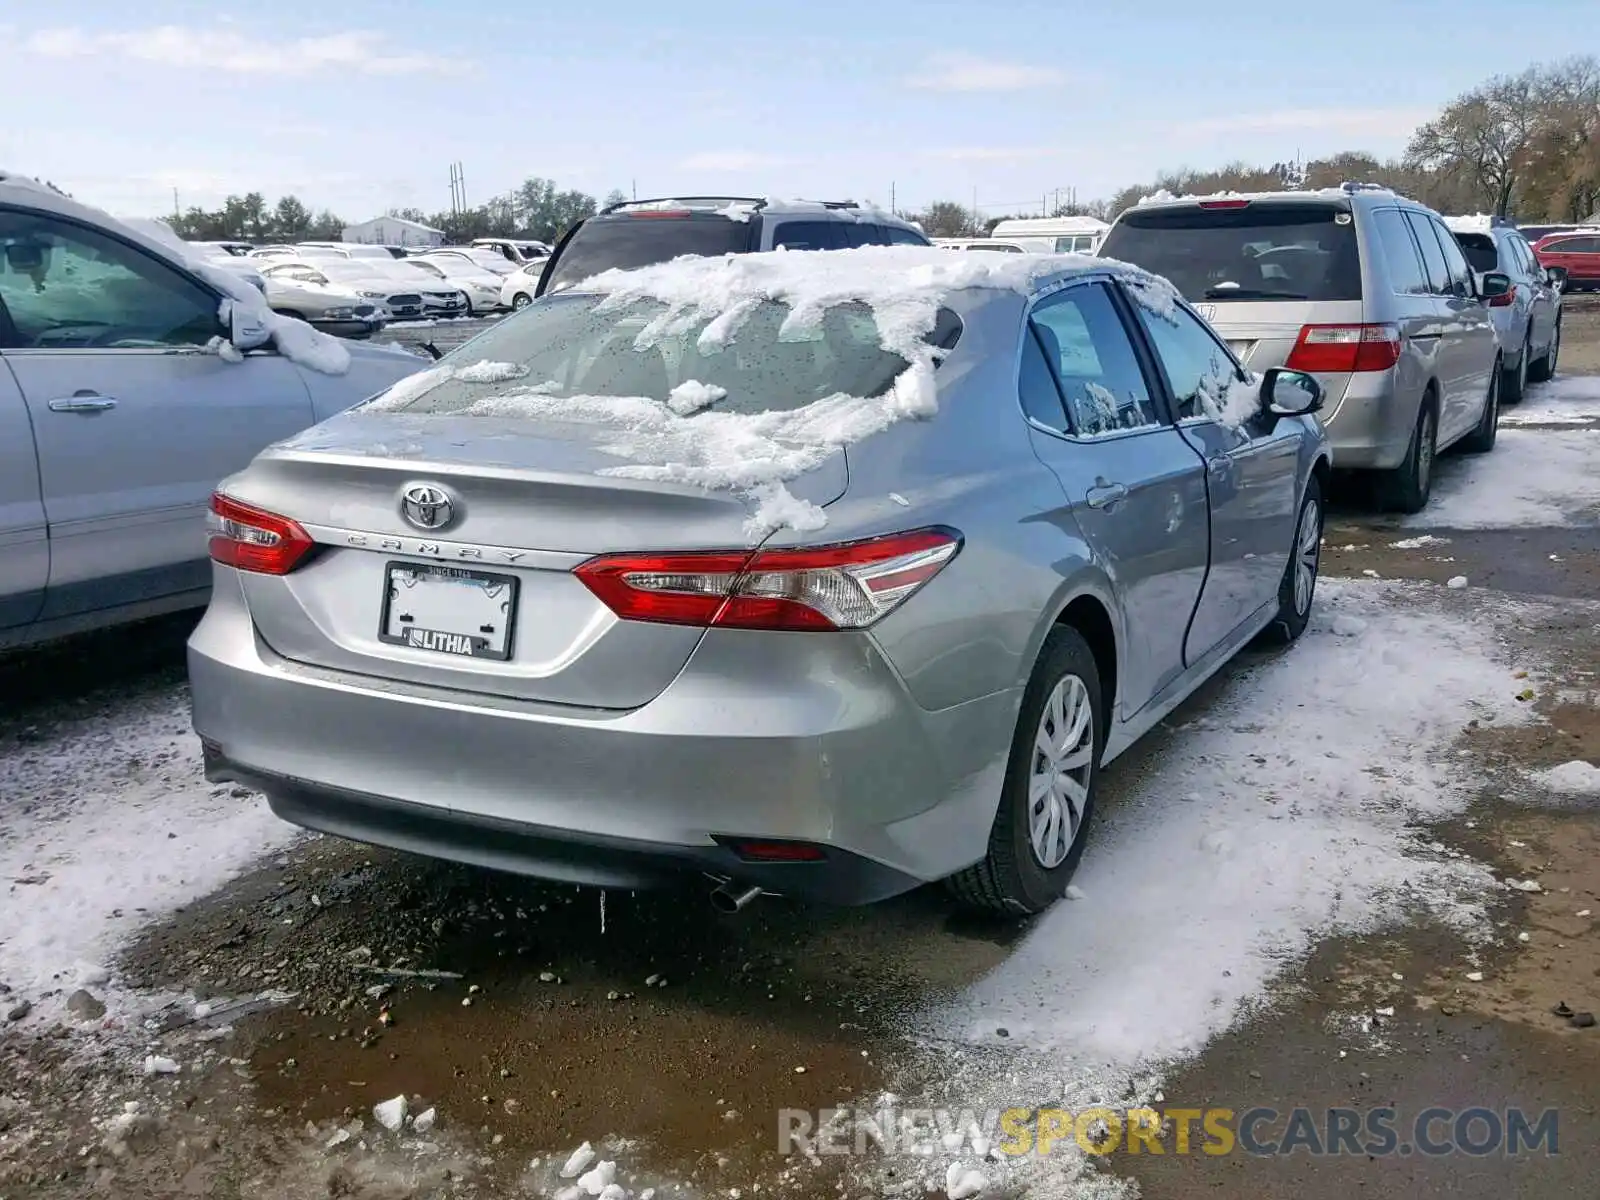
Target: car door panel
[1251,478]
[24,536]
[126,488]
[1134,484]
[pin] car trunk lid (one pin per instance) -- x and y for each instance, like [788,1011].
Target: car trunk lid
[486,602]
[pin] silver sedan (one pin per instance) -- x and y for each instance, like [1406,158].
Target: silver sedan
[825,574]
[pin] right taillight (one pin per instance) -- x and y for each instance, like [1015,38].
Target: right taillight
[1342,349]
[253,539]
[1505,300]
[845,586]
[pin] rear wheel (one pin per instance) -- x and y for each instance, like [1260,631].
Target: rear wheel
[521,301]
[1514,381]
[1544,370]
[1041,826]
[1299,584]
[1481,440]
[1407,488]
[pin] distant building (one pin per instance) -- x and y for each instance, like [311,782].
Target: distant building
[393,231]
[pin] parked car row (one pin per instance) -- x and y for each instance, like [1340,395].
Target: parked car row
[1415,346]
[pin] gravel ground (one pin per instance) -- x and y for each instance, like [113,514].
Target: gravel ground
[329,977]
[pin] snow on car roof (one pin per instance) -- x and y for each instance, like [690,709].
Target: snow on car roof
[755,455]
[1472,223]
[1163,196]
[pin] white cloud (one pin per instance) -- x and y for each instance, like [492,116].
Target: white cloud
[1354,122]
[730,160]
[229,50]
[964,73]
[995,154]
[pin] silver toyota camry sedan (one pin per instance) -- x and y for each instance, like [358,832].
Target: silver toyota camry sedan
[824,574]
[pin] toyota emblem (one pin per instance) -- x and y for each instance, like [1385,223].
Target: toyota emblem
[426,507]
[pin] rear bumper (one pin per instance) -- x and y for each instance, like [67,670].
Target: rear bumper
[1370,427]
[801,737]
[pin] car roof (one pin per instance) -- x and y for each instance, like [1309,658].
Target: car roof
[741,208]
[1347,192]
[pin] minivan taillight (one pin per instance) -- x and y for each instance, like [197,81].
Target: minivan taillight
[1504,300]
[252,539]
[845,586]
[1342,349]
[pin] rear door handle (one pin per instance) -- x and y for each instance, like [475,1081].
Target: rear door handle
[1104,495]
[83,402]
[1221,465]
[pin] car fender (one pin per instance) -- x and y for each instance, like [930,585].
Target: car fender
[1087,580]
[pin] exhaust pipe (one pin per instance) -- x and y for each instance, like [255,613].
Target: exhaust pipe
[725,900]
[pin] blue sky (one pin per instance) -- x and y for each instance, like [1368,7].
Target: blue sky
[360,106]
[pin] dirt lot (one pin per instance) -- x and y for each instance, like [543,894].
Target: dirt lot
[328,977]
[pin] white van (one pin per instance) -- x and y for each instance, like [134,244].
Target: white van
[1054,235]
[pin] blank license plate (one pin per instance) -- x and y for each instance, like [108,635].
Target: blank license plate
[448,610]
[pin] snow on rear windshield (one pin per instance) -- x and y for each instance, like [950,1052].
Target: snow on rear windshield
[1260,252]
[575,346]
[622,243]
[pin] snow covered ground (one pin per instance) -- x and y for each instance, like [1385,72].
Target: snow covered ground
[107,826]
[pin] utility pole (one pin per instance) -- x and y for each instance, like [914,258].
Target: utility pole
[633,185]
[892,209]
[175,209]
[977,229]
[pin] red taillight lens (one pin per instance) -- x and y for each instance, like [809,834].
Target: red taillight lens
[1341,349]
[253,539]
[1505,301]
[848,586]
[1224,204]
[777,851]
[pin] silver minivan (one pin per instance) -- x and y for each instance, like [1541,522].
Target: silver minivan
[1357,285]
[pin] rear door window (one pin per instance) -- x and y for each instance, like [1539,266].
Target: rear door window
[1089,351]
[1263,251]
[810,235]
[1461,282]
[624,242]
[860,234]
[905,237]
[1432,256]
[1406,273]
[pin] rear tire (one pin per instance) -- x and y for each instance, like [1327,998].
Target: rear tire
[1544,370]
[1029,861]
[1298,589]
[1481,440]
[521,301]
[1514,383]
[1406,489]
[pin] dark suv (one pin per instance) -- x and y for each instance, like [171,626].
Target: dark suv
[638,233]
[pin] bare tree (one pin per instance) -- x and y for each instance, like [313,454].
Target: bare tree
[946,218]
[1485,137]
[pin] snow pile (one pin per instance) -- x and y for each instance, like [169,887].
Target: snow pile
[485,371]
[1419,543]
[1568,400]
[1293,837]
[691,396]
[1576,778]
[1533,479]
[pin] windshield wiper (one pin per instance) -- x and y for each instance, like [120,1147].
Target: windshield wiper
[1244,293]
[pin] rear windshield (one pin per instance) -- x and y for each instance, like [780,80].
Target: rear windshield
[1260,252]
[568,346]
[1480,251]
[627,242]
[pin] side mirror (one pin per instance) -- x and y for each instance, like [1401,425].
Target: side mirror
[1556,277]
[1286,393]
[1495,284]
[26,257]
[247,327]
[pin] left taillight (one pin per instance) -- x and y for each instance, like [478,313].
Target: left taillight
[253,539]
[844,586]
[1505,300]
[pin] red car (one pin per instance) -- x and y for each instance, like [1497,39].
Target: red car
[1577,252]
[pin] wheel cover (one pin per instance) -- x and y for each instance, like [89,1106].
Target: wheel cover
[1522,366]
[1307,554]
[1063,760]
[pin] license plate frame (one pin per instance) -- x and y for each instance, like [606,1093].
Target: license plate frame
[480,647]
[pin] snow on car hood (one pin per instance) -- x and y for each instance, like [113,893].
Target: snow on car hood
[758,454]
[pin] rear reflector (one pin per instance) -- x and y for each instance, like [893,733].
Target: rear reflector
[1342,349]
[1505,301]
[847,586]
[1224,204]
[777,851]
[252,539]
